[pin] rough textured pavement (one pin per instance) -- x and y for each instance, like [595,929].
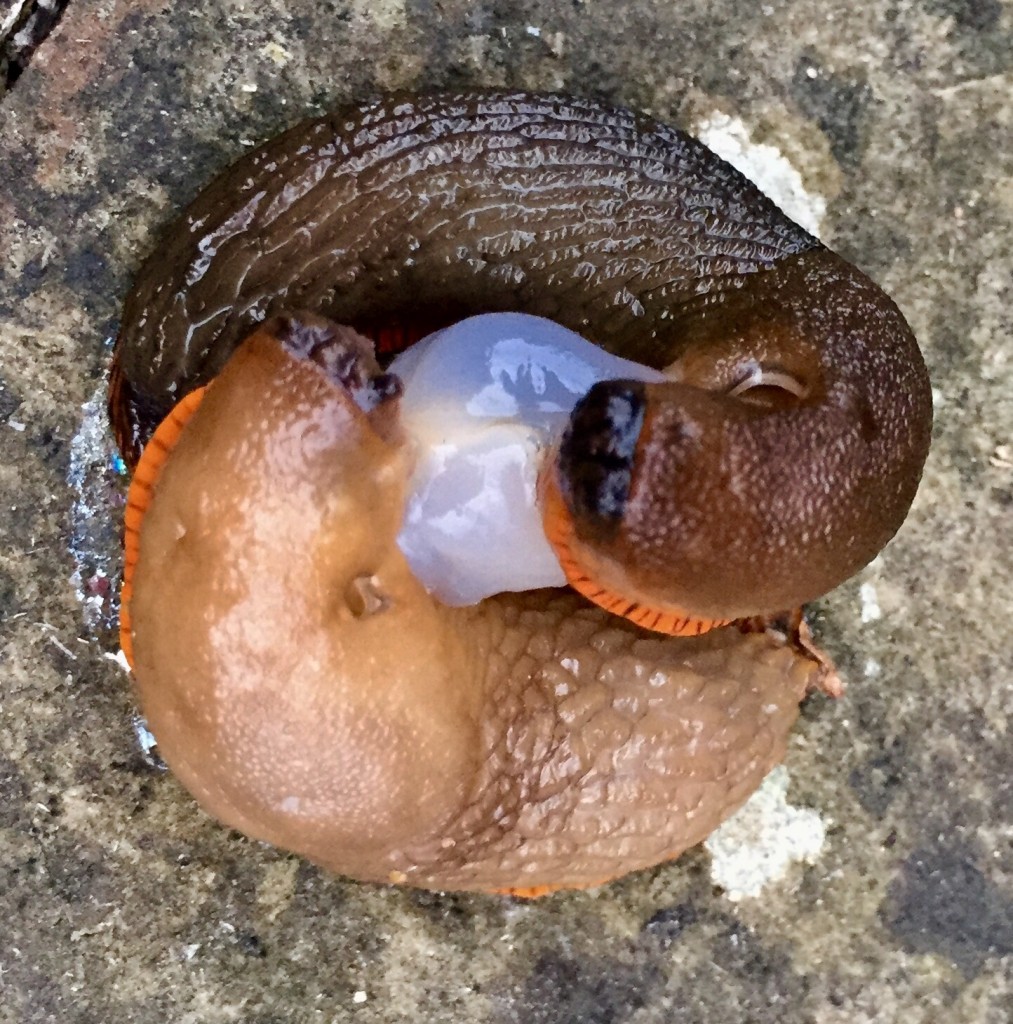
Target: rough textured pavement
[121,902]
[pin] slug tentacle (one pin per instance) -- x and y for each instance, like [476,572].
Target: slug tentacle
[301,679]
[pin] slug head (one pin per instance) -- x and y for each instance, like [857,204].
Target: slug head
[274,617]
[596,454]
[676,504]
[588,492]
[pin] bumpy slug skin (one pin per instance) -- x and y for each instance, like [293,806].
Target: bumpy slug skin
[308,691]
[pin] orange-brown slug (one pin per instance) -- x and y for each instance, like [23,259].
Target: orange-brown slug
[302,681]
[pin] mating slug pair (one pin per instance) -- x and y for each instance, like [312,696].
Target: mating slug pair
[301,680]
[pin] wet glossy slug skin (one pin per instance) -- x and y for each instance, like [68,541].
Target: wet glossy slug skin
[415,209]
[307,690]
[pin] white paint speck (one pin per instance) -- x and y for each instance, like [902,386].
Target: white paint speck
[147,743]
[764,165]
[359,996]
[120,658]
[870,603]
[277,53]
[533,30]
[757,845]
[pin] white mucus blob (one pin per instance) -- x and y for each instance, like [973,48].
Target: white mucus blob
[484,401]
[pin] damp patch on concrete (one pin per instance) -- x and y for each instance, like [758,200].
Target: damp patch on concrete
[943,903]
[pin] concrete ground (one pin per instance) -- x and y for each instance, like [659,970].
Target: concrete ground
[121,902]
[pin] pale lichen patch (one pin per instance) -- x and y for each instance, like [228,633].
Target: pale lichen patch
[766,166]
[758,844]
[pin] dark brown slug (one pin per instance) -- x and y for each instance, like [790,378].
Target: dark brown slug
[303,684]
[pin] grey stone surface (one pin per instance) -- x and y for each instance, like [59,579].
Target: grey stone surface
[120,901]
